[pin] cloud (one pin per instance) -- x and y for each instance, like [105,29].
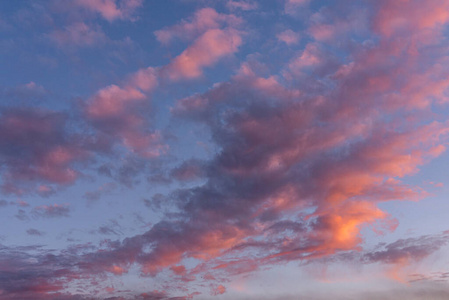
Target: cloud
[118,114]
[22,215]
[214,36]
[422,291]
[289,37]
[98,193]
[78,34]
[311,57]
[110,101]
[274,159]
[51,211]
[36,148]
[204,52]
[178,270]
[156,202]
[110,10]
[437,291]
[328,26]
[24,93]
[35,232]
[203,20]
[112,228]
[298,175]
[218,290]
[393,18]
[243,5]
[291,6]
[304,157]
[39,276]
[189,170]
[405,252]
[21,203]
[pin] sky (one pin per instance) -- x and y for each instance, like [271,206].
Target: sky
[224,149]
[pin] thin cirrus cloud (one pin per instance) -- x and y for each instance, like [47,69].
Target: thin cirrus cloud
[307,156]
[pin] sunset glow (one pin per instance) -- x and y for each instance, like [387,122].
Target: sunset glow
[224,149]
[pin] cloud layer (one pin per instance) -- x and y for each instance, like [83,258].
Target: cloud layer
[306,149]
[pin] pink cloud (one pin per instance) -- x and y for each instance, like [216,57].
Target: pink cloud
[347,169]
[326,26]
[178,270]
[144,79]
[291,6]
[289,37]
[78,34]
[202,21]
[404,16]
[204,52]
[46,150]
[110,102]
[219,290]
[117,270]
[117,112]
[111,9]
[311,56]
[189,170]
[300,170]
[243,5]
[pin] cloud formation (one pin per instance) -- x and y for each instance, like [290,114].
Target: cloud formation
[36,147]
[51,211]
[78,34]
[305,153]
[203,20]
[110,10]
[205,51]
